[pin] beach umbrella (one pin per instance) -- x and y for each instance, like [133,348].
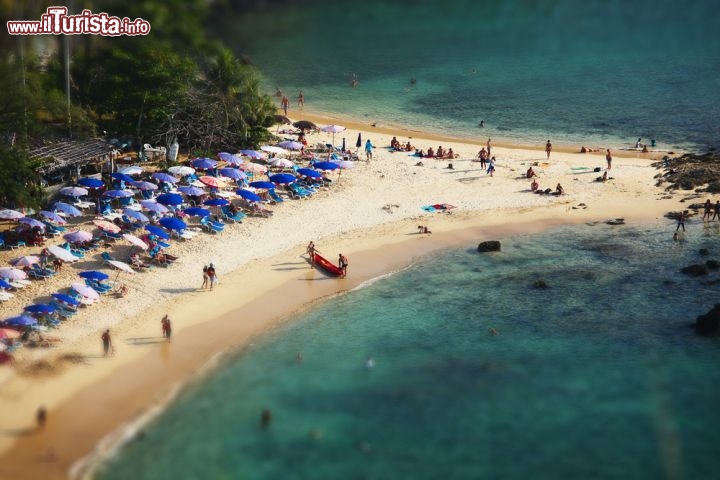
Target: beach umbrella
[131,170]
[358,144]
[172,223]
[170,199]
[264,185]
[191,191]
[291,145]
[181,170]
[11,273]
[281,162]
[106,226]
[212,181]
[89,182]
[224,156]
[135,241]
[73,191]
[325,166]
[134,214]
[32,222]
[67,209]
[122,266]
[94,275]
[154,206]
[20,321]
[216,202]
[345,164]
[235,160]
[282,119]
[25,261]
[333,129]
[118,194]
[283,178]
[53,217]
[157,231]
[62,254]
[204,163]
[197,212]
[85,291]
[305,125]
[9,333]
[65,299]
[11,214]
[253,167]
[122,177]
[232,173]
[164,177]
[309,172]
[78,236]
[41,308]
[144,185]
[273,149]
[249,196]
[252,154]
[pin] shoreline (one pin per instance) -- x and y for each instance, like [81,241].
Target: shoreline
[88,392]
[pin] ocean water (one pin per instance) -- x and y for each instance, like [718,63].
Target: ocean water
[591,72]
[598,376]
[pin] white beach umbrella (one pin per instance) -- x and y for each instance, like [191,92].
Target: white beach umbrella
[62,254]
[12,273]
[333,129]
[11,214]
[121,266]
[273,149]
[131,170]
[181,170]
[281,162]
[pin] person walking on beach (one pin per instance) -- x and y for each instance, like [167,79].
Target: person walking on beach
[285,103]
[368,150]
[491,166]
[717,210]
[166,327]
[311,253]
[548,149]
[681,222]
[107,342]
[212,275]
[301,99]
[708,209]
[205,277]
[608,158]
[343,264]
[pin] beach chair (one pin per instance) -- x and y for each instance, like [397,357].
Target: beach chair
[211,225]
[17,244]
[233,217]
[2,242]
[106,257]
[41,273]
[275,196]
[101,288]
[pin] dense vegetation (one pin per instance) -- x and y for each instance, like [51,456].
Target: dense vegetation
[175,82]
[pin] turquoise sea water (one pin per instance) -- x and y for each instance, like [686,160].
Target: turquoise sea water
[598,376]
[591,72]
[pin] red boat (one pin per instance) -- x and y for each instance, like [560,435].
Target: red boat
[329,267]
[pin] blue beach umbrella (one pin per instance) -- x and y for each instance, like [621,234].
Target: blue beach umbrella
[41,308]
[73,191]
[94,275]
[20,321]
[139,216]
[154,206]
[252,153]
[144,185]
[52,216]
[291,145]
[164,177]
[227,157]
[5,285]
[67,209]
[233,173]
[66,299]
[169,199]
[88,182]
[122,177]
[191,191]
[261,184]
[204,163]
[216,202]
[325,166]
[309,172]
[172,223]
[197,212]
[157,231]
[249,196]
[118,194]
[283,178]
[32,222]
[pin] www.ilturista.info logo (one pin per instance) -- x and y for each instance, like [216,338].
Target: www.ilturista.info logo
[57,22]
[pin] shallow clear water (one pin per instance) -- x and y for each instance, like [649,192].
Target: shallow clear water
[595,72]
[598,376]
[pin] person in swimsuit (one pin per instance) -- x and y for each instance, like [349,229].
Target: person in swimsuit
[548,149]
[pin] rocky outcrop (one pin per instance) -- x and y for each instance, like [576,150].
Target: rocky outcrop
[691,171]
[696,270]
[712,264]
[708,323]
[704,252]
[489,246]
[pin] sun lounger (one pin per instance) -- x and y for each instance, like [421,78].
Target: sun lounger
[211,226]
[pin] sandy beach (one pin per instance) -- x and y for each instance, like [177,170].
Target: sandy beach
[371,215]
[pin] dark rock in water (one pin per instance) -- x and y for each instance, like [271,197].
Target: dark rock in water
[704,252]
[617,221]
[692,170]
[668,283]
[696,270]
[489,246]
[712,264]
[708,324]
[540,284]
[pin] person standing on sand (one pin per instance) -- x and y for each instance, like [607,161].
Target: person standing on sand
[708,209]
[41,417]
[310,250]
[491,166]
[285,103]
[717,210]
[205,277]
[368,150]
[608,158]
[107,342]
[166,327]
[681,222]
[212,275]
[343,264]
[488,147]
[548,149]
[301,99]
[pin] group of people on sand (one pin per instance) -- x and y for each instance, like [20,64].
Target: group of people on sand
[440,153]
[401,147]
[342,259]
[209,276]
